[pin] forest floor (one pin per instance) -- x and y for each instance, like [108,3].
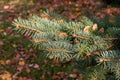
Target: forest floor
[18,59]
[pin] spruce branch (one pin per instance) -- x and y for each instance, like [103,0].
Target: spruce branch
[85,41]
[27,25]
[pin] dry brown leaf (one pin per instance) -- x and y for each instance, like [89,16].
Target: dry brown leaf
[55,77]
[2,62]
[21,63]
[60,73]
[73,75]
[8,61]
[5,75]
[6,7]
[1,43]
[36,66]
[1,30]
[22,78]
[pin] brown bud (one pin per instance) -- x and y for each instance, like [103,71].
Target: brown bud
[95,27]
[87,28]
[60,20]
[62,34]
[50,57]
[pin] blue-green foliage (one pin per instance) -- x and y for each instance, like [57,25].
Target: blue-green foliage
[64,40]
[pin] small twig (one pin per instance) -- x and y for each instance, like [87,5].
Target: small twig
[111,38]
[82,37]
[41,40]
[108,60]
[59,50]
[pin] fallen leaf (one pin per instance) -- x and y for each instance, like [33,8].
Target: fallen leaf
[15,75]
[6,7]
[55,77]
[60,73]
[5,75]
[20,68]
[73,75]
[22,78]
[1,30]
[21,63]
[30,65]
[2,62]
[36,66]
[1,43]
[27,69]
[8,62]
